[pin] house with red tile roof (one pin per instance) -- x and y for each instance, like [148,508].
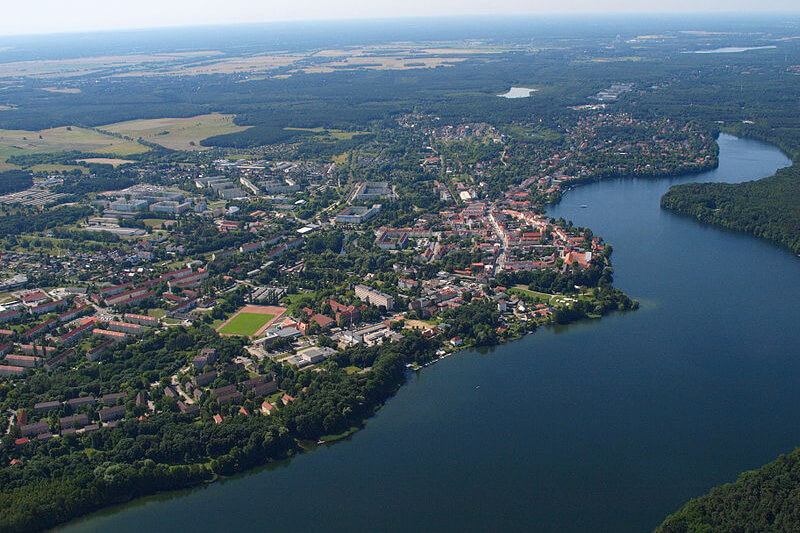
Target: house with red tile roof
[286,399]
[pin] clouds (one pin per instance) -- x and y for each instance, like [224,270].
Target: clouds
[54,16]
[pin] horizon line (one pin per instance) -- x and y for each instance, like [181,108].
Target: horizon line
[409,18]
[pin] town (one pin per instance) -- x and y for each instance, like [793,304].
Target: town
[291,262]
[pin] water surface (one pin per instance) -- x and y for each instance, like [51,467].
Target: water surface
[731,49]
[606,425]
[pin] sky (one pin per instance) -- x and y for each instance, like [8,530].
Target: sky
[20,17]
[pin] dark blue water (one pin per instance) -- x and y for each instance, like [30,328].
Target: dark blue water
[606,425]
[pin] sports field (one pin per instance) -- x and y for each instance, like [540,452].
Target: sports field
[250,320]
[245,324]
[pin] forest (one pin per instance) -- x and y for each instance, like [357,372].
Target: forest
[763,500]
[14,180]
[767,208]
[29,219]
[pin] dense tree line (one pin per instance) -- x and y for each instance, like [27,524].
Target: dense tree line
[763,500]
[15,180]
[560,282]
[201,236]
[102,178]
[30,220]
[767,208]
[476,323]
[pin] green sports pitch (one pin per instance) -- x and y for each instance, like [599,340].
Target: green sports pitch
[245,324]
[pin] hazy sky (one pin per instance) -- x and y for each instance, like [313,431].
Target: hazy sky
[52,16]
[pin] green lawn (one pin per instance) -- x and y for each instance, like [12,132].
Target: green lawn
[524,291]
[157,222]
[336,134]
[246,324]
[543,297]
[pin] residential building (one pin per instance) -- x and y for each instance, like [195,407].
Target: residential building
[35,429]
[204,379]
[26,361]
[112,413]
[13,371]
[356,214]
[124,327]
[74,421]
[376,298]
[142,320]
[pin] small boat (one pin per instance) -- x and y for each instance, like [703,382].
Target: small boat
[584,206]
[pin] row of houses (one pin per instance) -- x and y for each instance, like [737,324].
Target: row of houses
[70,424]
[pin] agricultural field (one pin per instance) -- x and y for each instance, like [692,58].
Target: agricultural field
[399,62]
[214,62]
[54,167]
[63,139]
[113,161]
[372,57]
[177,133]
[336,134]
[230,65]
[82,66]
[62,90]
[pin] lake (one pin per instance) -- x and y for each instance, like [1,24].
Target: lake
[605,425]
[518,92]
[731,49]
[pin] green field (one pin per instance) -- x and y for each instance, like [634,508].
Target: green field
[63,139]
[177,133]
[158,222]
[156,313]
[336,134]
[245,324]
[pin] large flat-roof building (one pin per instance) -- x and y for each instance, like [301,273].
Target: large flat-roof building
[170,207]
[370,190]
[356,214]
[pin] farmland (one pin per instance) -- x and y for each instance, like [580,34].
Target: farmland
[336,134]
[113,161]
[394,62]
[63,139]
[82,66]
[229,65]
[215,62]
[177,133]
